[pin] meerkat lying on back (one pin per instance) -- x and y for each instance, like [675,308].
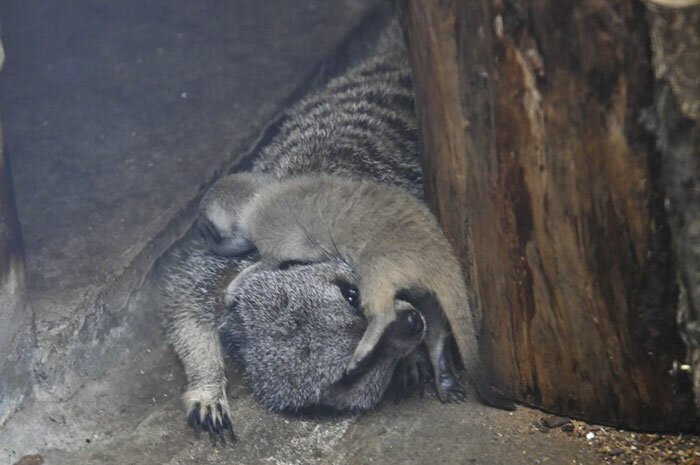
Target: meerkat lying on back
[290,328]
[392,241]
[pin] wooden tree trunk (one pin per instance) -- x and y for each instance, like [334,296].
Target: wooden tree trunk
[544,178]
[675,38]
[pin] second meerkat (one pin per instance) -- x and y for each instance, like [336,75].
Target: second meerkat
[391,239]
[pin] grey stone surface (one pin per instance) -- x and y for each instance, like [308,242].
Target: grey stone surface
[117,115]
[133,415]
[16,319]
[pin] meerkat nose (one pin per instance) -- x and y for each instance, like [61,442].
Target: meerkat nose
[414,320]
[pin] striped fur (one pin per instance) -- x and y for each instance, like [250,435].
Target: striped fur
[361,125]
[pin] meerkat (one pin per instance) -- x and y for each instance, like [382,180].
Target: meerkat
[360,125]
[389,237]
[291,328]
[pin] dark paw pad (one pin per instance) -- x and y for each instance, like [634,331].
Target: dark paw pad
[214,420]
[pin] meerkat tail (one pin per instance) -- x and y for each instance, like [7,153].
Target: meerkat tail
[464,325]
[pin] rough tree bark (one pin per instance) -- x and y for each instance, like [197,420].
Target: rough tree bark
[549,186]
[675,38]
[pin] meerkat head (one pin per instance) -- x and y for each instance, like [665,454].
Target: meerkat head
[295,327]
[220,210]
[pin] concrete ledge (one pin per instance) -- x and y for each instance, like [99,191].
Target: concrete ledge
[16,319]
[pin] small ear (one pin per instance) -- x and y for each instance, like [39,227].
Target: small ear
[220,212]
[232,243]
[231,192]
[208,230]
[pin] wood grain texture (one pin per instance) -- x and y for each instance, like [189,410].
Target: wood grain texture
[675,38]
[548,186]
[675,121]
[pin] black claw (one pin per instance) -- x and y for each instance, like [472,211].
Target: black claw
[229,426]
[220,430]
[194,419]
[209,425]
[219,423]
[215,426]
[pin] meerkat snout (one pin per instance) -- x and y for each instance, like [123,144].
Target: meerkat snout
[401,337]
[414,322]
[407,330]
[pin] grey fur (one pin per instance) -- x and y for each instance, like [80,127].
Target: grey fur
[292,330]
[386,235]
[309,320]
[360,126]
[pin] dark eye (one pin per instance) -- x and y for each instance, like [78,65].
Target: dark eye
[350,293]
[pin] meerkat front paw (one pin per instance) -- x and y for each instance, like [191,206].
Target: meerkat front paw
[447,386]
[449,389]
[208,409]
[412,373]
